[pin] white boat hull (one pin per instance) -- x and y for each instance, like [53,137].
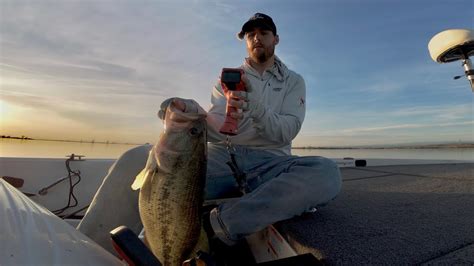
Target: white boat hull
[32,235]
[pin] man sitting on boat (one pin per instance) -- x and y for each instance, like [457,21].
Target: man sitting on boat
[281,185]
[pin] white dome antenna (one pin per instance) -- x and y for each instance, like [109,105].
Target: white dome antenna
[453,45]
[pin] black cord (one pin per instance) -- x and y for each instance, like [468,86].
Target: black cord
[71,196]
[239,175]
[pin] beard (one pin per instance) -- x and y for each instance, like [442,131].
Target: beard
[262,55]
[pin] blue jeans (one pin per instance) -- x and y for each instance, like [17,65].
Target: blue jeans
[281,187]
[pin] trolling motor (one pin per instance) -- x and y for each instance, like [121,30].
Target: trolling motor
[231,80]
[452,45]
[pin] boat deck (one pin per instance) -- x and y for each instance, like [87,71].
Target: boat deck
[405,214]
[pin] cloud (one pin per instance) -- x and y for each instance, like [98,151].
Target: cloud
[443,112]
[94,48]
[353,131]
[96,68]
[384,86]
[370,126]
[386,130]
[97,117]
[77,70]
[26,100]
[419,76]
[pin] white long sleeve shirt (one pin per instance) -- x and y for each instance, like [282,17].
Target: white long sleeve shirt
[281,93]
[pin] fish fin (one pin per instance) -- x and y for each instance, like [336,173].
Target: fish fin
[149,167]
[140,179]
[202,243]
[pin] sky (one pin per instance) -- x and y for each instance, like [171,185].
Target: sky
[98,70]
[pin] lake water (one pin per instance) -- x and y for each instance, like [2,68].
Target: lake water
[54,149]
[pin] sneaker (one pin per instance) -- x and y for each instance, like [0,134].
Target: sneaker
[223,254]
[217,249]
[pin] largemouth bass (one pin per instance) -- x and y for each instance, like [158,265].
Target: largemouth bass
[172,186]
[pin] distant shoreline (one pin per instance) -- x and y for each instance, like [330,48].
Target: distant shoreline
[401,146]
[75,141]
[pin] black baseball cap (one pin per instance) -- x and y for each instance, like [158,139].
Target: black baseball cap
[257,20]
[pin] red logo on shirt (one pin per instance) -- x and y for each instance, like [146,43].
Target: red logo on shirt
[301,101]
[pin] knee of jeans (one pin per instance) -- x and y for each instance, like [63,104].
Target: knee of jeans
[330,173]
